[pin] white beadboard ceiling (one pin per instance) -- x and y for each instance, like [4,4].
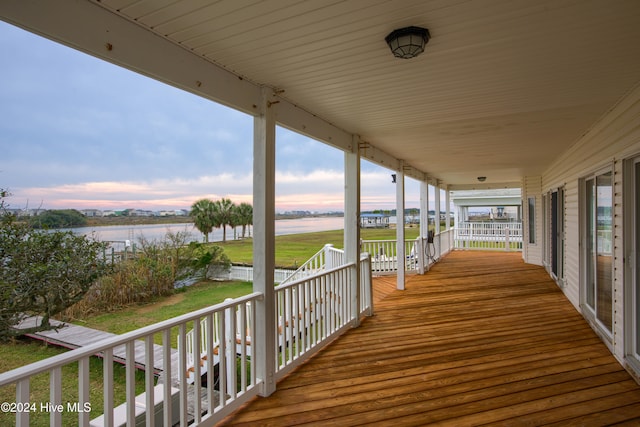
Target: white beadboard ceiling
[502,88]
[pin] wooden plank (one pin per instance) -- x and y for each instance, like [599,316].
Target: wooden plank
[75,336]
[481,338]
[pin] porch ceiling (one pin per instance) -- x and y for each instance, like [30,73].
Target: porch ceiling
[502,89]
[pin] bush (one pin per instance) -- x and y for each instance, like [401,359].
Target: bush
[64,218]
[155,271]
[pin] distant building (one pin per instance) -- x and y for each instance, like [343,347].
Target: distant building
[371,220]
[139,212]
[91,212]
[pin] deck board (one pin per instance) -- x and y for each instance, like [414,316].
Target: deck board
[481,339]
[73,336]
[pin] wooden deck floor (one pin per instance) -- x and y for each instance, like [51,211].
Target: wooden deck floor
[481,339]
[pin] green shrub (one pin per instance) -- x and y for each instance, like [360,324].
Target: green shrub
[153,272]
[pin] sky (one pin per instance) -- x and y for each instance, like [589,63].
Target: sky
[78,132]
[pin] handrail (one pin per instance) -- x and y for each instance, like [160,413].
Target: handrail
[92,349]
[384,255]
[314,263]
[310,312]
[234,394]
[500,236]
[326,257]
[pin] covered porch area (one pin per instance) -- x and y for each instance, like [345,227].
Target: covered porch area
[483,338]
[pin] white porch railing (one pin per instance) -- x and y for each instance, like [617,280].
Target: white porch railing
[326,258]
[310,313]
[314,310]
[384,257]
[499,236]
[419,253]
[245,274]
[234,391]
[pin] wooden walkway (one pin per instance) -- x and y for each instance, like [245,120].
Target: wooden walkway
[482,339]
[75,336]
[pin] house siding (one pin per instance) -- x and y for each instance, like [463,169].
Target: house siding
[572,243]
[532,252]
[615,137]
[618,258]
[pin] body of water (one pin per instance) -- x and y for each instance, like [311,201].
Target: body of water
[123,233]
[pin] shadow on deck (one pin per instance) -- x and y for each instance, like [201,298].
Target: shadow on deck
[482,338]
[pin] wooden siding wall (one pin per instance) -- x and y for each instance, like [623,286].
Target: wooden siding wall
[615,137]
[532,252]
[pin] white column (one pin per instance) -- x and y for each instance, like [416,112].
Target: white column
[447,208]
[352,221]
[264,177]
[424,208]
[437,200]
[400,255]
[424,225]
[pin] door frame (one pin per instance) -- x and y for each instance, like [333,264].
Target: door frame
[631,253]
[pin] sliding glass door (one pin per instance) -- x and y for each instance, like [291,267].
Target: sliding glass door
[632,256]
[553,205]
[598,248]
[635,254]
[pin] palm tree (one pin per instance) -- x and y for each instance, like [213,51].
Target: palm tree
[235,221]
[245,217]
[203,214]
[223,215]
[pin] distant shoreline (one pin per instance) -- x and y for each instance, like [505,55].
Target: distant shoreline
[150,220]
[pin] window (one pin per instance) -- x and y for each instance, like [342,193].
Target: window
[532,220]
[553,233]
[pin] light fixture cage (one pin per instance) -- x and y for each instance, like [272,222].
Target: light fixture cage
[408,42]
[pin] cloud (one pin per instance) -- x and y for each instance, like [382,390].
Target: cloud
[78,132]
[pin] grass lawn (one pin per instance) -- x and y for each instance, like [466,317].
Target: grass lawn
[295,249]
[200,295]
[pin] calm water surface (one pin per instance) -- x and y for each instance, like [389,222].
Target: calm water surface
[121,233]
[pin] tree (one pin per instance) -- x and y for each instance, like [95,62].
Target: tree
[42,273]
[63,218]
[223,216]
[203,214]
[244,211]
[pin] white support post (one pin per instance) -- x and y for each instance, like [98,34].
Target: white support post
[424,227]
[264,177]
[328,259]
[352,222]
[438,208]
[447,209]
[400,251]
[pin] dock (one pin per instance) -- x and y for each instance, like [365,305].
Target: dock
[71,336]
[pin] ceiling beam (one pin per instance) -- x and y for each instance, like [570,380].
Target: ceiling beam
[94,30]
[485,186]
